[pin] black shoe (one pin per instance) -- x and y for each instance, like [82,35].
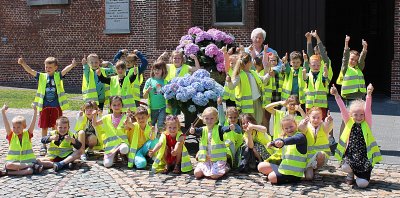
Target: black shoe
[71,166]
[57,166]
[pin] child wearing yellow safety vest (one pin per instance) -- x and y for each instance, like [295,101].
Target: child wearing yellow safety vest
[317,132]
[212,155]
[88,135]
[292,106]
[357,146]
[50,97]
[179,69]
[294,83]
[131,67]
[120,85]
[230,59]
[170,151]
[115,139]
[92,88]
[233,137]
[320,51]
[20,159]
[248,85]
[293,152]
[152,91]
[254,149]
[62,144]
[142,138]
[351,77]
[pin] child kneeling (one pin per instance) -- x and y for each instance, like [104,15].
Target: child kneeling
[294,155]
[172,153]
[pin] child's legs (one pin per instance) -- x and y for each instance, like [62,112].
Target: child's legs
[15,166]
[72,157]
[198,173]
[91,141]
[346,168]
[82,139]
[322,159]
[108,159]
[272,177]
[265,168]
[362,183]
[154,116]
[124,149]
[45,162]
[140,159]
[161,118]
[258,110]
[266,119]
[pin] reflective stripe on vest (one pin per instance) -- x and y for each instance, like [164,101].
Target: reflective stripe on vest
[186,165]
[63,150]
[124,92]
[316,94]
[218,148]
[41,91]
[113,137]
[353,81]
[373,151]
[134,142]
[288,84]
[18,152]
[293,162]
[316,144]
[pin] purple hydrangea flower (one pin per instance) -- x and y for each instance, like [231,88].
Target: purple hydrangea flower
[229,39]
[211,50]
[201,36]
[191,49]
[219,58]
[185,39]
[221,67]
[217,35]
[194,30]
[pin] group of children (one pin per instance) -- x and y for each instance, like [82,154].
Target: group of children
[258,85]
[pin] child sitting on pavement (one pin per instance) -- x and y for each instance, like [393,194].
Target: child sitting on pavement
[20,158]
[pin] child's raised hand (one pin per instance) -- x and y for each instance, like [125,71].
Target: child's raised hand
[84,61]
[333,90]
[191,130]
[21,61]
[347,39]
[98,72]
[285,58]
[251,48]
[4,108]
[370,89]
[308,35]
[224,49]
[68,138]
[250,126]
[266,49]
[314,33]
[219,100]
[241,48]
[328,117]
[364,44]
[55,137]
[325,74]
[228,78]
[230,51]
[105,63]
[74,63]
[305,57]
[279,143]
[124,51]
[151,153]
[232,127]
[304,121]
[135,51]
[192,56]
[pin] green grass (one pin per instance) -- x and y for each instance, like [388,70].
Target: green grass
[23,98]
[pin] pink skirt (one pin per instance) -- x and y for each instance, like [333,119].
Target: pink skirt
[213,168]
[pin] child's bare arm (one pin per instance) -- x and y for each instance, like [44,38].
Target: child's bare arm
[96,122]
[226,58]
[69,67]
[303,125]
[33,122]
[270,107]
[256,127]
[26,67]
[361,60]
[196,63]
[5,120]
[300,110]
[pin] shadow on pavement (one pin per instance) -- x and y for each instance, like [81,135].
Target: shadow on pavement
[390,153]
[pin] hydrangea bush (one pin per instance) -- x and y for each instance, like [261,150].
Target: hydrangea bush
[193,92]
[206,45]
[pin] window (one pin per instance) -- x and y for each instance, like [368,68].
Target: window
[228,12]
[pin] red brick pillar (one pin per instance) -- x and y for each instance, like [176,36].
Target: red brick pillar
[395,85]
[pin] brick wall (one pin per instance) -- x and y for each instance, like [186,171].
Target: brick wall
[155,26]
[395,87]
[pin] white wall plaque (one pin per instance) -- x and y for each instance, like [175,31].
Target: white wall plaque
[117,17]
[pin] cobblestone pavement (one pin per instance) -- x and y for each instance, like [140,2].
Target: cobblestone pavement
[91,179]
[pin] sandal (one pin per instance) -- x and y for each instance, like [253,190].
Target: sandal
[177,169]
[37,168]
[43,151]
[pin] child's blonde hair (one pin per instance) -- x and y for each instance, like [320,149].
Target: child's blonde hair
[240,63]
[209,111]
[287,118]
[315,57]
[172,118]
[62,120]
[120,64]
[51,60]
[19,120]
[175,52]
[314,109]
[92,56]
[293,98]
[358,103]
